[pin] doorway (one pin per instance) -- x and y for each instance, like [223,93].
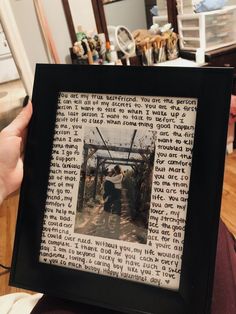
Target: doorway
[12,91]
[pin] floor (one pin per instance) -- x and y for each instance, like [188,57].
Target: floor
[228,206]
[11,99]
[8,215]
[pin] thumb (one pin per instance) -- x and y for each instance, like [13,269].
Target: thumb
[21,122]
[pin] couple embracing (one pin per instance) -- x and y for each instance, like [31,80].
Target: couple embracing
[112,190]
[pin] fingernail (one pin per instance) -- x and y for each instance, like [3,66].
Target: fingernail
[25,101]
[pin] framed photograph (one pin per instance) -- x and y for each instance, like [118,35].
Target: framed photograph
[121,195]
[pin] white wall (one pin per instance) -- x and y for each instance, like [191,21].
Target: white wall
[82,14]
[29,30]
[57,23]
[129,13]
[27,22]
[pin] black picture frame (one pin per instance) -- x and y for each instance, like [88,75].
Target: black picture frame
[212,88]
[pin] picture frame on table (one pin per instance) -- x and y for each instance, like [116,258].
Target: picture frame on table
[120,200]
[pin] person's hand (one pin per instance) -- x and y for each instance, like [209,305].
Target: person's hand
[232,116]
[12,141]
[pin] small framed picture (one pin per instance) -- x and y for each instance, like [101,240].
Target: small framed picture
[121,195]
